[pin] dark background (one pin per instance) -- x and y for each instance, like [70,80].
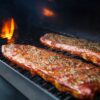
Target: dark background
[77,17]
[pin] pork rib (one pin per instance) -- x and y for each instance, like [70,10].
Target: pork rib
[88,50]
[82,80]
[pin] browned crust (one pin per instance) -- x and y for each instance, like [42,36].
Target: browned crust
[87,50]
[21,65]
[92,87]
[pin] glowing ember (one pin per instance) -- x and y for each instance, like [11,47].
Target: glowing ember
[8,30]
[48,12]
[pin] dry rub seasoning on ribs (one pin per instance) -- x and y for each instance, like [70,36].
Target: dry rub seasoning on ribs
[88,50]
[67,74]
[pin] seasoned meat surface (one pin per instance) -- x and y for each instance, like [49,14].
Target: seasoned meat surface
[82,80]
[86,49]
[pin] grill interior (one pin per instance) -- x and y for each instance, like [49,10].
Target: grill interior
[33,39]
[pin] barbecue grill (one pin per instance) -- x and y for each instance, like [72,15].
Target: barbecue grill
[29,32]
[35,85]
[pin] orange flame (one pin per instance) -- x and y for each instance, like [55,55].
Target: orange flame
[47,12]
[8,30]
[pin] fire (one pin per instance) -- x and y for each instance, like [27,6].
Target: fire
[8,30]
[47,12]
